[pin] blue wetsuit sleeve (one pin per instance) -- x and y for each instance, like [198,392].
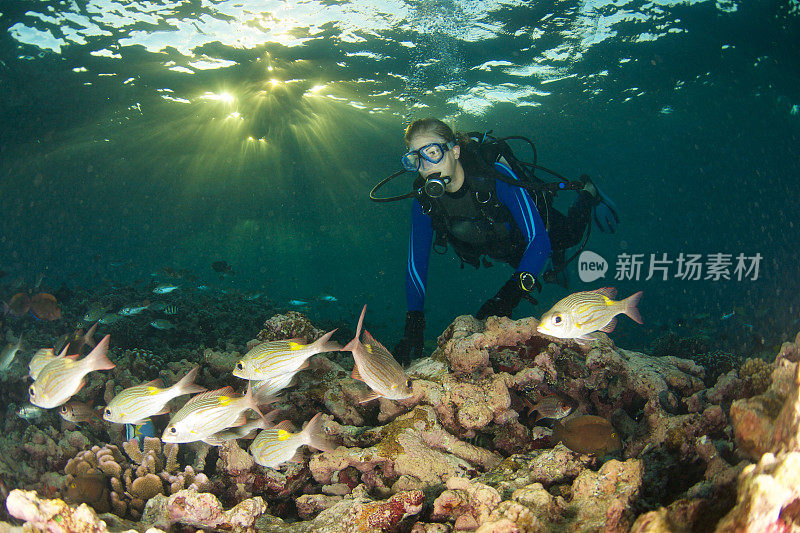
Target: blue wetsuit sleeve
[419,253]
[528,219]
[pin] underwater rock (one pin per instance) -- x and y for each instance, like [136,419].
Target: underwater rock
[414,447]
[201,510]
[465,344]
[770,421]
[768,497]
[602,500]
[357,512]
[291,325]
[55,516]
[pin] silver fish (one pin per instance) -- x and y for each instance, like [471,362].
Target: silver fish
[582,313]
[30,412]
[40,360]
[135,404]
[376,367]
[165,288]
[275,446]
[271,359]
[132,310]
[209,413]
[245,431]
[62,377]
[162,324]
[266,390]
[10,351]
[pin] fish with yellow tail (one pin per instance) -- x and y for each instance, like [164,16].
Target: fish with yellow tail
[275,358]
[376,367]
[275,446]
[209,413]
[137,403]
[582,313]
[63,377]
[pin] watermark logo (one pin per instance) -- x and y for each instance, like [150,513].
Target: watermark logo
[684,266]
[591,266]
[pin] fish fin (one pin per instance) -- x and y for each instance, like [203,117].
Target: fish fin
[297,457]
[381,352]
[158,383]
[314,434]
[98,358]
[89,337]
[224,391]
[608,292]
[351,346]
[355,374]
[370,396]
[285,425]
[240,421]
[631,308]
[163,411]
[303,366]
[325,344]
[608,328]
[186,384]
[252,402]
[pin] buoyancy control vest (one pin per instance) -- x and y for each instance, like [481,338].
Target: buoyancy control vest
[473,220]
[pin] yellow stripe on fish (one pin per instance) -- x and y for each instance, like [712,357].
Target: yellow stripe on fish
[272,359]
[582,313]
[139,402]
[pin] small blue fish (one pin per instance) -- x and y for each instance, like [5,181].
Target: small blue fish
[728,315]
[162,324]
[329,298]
[140,431]
[297,303]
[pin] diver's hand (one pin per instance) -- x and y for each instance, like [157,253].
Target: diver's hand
[410,346]
[509,296]
[605,214]
[604,211]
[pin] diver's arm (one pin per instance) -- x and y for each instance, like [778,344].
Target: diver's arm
[419,253]
[526,215]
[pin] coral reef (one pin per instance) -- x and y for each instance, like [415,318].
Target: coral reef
[461,453]
[137,476]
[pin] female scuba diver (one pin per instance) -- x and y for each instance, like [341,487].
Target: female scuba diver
[479,206]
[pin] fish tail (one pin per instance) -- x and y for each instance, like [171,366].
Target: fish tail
[314,435]
[355,342]
[630,307]
[252,402]
[186,384]
[98,358]
[324,343]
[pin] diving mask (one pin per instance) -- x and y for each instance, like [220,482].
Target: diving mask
[432,153]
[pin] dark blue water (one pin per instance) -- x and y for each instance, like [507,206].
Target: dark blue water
[175,134]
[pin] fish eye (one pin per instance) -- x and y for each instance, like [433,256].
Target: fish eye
[72,485]
[173,430]
[32,391]
[64,409]
[239,366]
[108,412]
[408,383]
[557,319]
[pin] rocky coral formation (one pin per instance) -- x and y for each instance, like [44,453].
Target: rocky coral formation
[462,454]
[137,476]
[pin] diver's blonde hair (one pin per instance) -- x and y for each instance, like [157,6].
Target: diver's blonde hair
[435,126]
